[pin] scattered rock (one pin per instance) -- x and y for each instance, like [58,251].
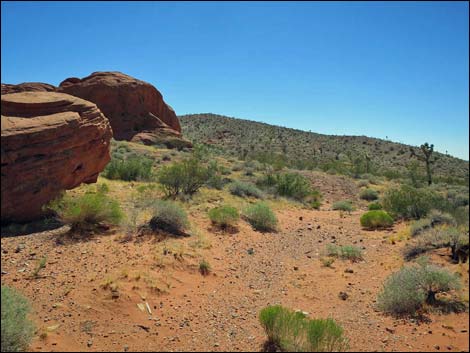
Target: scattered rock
[343,295]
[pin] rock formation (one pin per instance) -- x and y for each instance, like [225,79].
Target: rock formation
[50,142]
[27,87]
[135,108]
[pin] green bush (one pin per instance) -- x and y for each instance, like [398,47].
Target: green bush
[132,168]
[407,290]
[349,252]
[17,329]
[85,212]
[376,219]
[369,195]
[291,331]
[168,217]
[343,206]
[261,217]
[241,189]
[204,267]
[291,185]
[408,202]
[224,216]
[374,206]
[185,177]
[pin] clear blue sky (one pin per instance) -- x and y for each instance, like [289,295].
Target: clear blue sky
[378,69]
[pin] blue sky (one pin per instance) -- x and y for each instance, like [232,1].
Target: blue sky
[378,69]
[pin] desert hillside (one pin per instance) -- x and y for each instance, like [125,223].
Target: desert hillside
[303,149]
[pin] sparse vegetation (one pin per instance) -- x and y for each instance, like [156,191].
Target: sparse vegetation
[376,219]
[349,252]
[224,216]
[291,331]
[261,217]
[17,329]
[41,265]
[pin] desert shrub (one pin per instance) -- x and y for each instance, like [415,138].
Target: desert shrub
[343,206]
[408,202]
[291,185]
[369,195]
[314,199]
[204,267]
[185,177]
[349,252]
[132,168]
[261,217]
[376,219]
[437,217]
[363,183]
[17,329]
[224,216]
[430,239]
[168,217]
[461,215]
[419,226]
[291,331]
[86,211]
[242,189]
[374,206]
[214,179]
[406,291]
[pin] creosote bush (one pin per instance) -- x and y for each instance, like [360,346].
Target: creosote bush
[343,206]
[261,217]
[17,329]
[291,185]
[407,202]
[369,195]
[242,189]
[376,219]
[168,217]
[132,168]
[224,216]
[185,177]
[86,211]
[408,290]
[291,331]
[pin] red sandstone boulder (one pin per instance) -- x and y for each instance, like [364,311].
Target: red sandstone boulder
[50,142]
[27,87]
[132,106]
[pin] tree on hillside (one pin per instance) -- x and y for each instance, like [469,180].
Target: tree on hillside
[426,157]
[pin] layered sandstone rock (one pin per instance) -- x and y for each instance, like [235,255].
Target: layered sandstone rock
[132,106]
[27,87]
[50,142]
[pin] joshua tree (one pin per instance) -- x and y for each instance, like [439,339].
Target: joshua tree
[426,157]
